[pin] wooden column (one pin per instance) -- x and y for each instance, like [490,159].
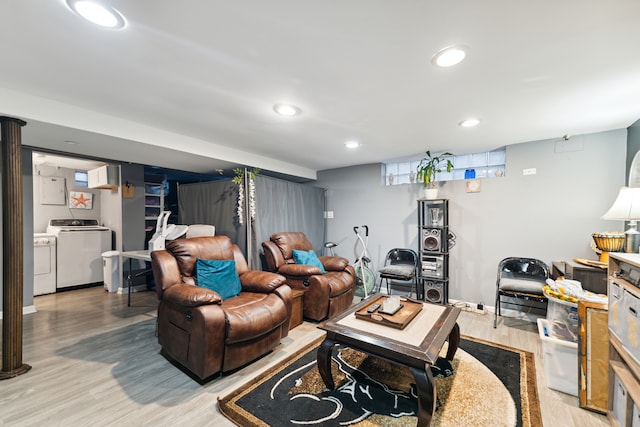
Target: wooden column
[12,247]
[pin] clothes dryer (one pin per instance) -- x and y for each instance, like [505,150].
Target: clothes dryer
[44,264]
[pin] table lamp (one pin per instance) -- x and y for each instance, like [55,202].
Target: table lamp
[627,208]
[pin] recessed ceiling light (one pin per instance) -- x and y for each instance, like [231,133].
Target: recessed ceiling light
[449,56]
[71,142]
[469,123]
[287,110]
[98,13]
[352,144]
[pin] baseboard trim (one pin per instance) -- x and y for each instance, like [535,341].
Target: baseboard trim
[25,310]
[136,288]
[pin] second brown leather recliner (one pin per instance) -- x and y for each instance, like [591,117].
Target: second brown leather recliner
[325,294]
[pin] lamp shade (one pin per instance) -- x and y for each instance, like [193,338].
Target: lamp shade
[626,206]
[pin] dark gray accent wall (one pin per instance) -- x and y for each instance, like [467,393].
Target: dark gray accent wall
[633,144]
[27,218]
[549,215]
[133,234]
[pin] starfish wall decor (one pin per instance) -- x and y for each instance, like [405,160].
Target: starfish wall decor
[80,200]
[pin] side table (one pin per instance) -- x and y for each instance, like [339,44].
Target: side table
[591,278]
[296,308]
[143,255]
[417,346]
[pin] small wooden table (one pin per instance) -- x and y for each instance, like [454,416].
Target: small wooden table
[296,308]
[416,346]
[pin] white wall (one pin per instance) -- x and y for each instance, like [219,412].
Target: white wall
[549,216]
[42,213]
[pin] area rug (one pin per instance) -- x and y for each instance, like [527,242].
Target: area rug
[492,385]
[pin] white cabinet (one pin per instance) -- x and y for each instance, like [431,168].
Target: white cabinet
[104,177]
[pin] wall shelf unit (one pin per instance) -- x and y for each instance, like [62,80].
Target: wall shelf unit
[433,248]
[624,347]
[153,204]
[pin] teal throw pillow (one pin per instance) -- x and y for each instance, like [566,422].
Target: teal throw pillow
[219,276]
[308,258]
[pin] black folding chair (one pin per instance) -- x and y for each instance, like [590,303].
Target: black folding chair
[400,265]
[521,280]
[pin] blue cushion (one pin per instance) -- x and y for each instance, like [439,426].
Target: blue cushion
[308,258]
[219,276]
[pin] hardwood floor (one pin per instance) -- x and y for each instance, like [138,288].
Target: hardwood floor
[96,362]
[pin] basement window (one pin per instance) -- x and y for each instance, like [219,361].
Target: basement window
[82,178]
[490,164]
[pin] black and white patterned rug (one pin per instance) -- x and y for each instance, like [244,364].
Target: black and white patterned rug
[491,385]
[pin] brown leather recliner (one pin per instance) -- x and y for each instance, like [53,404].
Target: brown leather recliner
[202,332]
[325,294]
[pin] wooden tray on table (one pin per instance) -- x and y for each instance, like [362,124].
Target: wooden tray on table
[399,320]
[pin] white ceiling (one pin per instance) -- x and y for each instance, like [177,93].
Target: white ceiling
[188,82]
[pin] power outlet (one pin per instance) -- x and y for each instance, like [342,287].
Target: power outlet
[529,171]
[473,308]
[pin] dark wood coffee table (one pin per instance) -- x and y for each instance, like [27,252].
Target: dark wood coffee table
[416,346]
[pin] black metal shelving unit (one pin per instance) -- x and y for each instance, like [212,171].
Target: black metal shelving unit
[434,244]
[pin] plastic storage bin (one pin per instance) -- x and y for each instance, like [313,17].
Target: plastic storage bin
[616,309]
[630,331]
[560,359]
[619,407]
[563,319]
[111,270]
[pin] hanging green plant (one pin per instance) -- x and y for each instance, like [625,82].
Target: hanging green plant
[238,179]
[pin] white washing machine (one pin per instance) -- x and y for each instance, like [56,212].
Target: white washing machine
[80,244]
[44,264]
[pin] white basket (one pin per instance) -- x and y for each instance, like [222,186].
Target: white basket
[560,360]
[616,310]
[630,334]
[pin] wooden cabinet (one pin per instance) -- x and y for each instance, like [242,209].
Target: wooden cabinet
[296,308]
[592,279]
[593,356]
[624,354]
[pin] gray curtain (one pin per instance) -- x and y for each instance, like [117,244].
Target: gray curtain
[280,206]
[212,202]
[286,206]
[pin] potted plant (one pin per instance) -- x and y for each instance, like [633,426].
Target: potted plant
[429,168]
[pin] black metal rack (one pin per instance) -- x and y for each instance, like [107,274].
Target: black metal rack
[433,249]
